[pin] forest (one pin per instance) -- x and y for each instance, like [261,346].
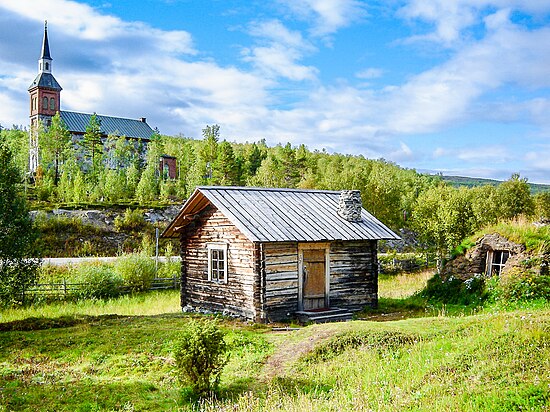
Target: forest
[116,170]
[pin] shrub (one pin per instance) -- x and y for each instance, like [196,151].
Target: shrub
[97,281]
[455,291]
[137,271]
[201,353]
[523,284]
[132,220]
[169,269]
[53,273]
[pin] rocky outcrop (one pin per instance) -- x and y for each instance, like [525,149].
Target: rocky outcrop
[94,233]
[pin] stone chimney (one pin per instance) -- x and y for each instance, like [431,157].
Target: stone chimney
[349,205]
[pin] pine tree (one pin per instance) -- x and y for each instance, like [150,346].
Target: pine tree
[54,144]
[93,146]
[225,170]
[19,260]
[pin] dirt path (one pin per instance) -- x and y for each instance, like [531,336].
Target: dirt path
[290,351]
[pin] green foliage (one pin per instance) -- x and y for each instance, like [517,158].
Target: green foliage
[54,273]
[92,140]
[394,263]
[225,169]
[97,282]
[55,146]
[200,353]
[131,220]
[542,205]
[514,198]
[464,246]
[535,238]
[455,291]
[381,342]
[443,216]
[19,261]
[136,270]
[522,284]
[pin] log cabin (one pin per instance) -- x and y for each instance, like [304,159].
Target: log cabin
[269,254]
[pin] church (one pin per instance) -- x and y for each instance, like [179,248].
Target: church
[45,102]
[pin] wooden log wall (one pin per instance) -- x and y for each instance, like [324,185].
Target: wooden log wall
[353,275]
[281,280]
[237,296]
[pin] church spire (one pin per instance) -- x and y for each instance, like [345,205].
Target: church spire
[45,61]
[45,44]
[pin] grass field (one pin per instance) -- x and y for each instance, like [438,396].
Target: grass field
[117,356]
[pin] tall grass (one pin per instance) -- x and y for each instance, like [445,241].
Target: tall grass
[535,238]
[143,304]
[403,285]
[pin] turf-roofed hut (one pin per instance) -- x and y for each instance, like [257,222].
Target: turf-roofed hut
[271,254]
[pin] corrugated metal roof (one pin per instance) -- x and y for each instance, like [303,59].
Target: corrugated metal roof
[280,215]
[118,126]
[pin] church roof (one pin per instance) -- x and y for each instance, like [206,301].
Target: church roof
[118,126]
[45,80]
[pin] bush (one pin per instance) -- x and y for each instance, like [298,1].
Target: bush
[53,273]
[170,269]
[132,220]
[97,281]
[522,285]
[137,271]
[201,353]
[455,291]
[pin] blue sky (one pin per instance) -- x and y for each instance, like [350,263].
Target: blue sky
[454,86]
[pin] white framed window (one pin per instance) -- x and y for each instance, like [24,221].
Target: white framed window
[496,259]
[217,262]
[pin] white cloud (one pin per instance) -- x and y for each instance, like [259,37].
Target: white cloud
[327,16]
[370,73]
[278,51]
[451,18]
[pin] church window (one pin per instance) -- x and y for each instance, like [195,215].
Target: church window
[45,103]
[47,66]
[52,103]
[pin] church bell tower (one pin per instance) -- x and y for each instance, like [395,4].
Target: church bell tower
[45,94]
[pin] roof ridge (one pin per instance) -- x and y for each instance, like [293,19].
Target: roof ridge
[268,189]
[103,115]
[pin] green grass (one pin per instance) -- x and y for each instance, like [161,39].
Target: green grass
[535,239]
[117,355]
[144,304]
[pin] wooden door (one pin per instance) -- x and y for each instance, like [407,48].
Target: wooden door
[314,279]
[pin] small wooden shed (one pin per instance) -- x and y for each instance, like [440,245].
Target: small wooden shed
[271,254]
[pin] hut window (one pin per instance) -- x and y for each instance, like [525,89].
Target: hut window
[496,259]
[217,263]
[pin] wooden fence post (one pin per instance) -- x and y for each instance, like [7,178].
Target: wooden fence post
[64,287]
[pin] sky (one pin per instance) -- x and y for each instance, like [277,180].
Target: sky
[460,87]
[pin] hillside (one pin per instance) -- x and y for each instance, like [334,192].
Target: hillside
[460,181]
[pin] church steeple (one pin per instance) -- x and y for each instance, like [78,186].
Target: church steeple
[45,94]
[45,61]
